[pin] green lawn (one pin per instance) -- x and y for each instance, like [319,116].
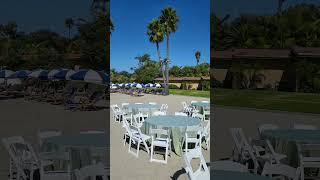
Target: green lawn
[190,93]
[286,101]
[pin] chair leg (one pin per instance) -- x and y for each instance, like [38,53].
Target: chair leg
[166,155]
[151,154]
[138,148]
[146,146]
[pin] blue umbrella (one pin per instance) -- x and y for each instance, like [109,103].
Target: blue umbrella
[6,73]
[40,73]
[21,74]
[64,74]
[90,76]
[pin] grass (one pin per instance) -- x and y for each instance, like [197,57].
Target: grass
[195,93]
[261,99]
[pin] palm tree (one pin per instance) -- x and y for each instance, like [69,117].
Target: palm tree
[156,35]
[170,20]
[198,54]
[69,23]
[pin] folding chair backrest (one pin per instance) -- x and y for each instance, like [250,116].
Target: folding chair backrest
[198,115]
[202,169]
[115,108]
[152,103]
[282,170]
[164,107]
[91,171]
[125,124]
[20,153]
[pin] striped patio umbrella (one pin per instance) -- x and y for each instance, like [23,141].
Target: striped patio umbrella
[157,85]
[137,85]
[6,73]
[53,72]
[90,76]
[40,74]
[64,74]
[21,74]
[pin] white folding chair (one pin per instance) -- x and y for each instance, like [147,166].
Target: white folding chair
[116,111]
[198,115]
[206,114]
[125,107]
[309,158]
[192,136]
[243,151]
[164,108]
[136,137]
[206,135]
[228,166]
[180,114]
[202,172]
[92,172]
[44,134]
[304,126]
[157,140]
[268,154]
[153,103]
[281,170]
[23,158]
[138,103]
[139,119]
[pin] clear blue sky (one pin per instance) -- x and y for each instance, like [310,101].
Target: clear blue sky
[32,15]
[130,39]
[261,7]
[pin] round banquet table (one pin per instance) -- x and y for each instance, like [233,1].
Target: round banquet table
[177,126]
[230,175]
[135,108]
[80,147]
[285,140]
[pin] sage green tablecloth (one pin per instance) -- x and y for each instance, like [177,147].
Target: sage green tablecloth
[177,126]
[285,141]
[230,175]
[79,146]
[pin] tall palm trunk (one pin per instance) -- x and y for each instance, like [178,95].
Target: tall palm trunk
[162,70]
[167,67]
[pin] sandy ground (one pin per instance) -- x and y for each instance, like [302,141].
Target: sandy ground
[249,120]
[125,165]
[25,118]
